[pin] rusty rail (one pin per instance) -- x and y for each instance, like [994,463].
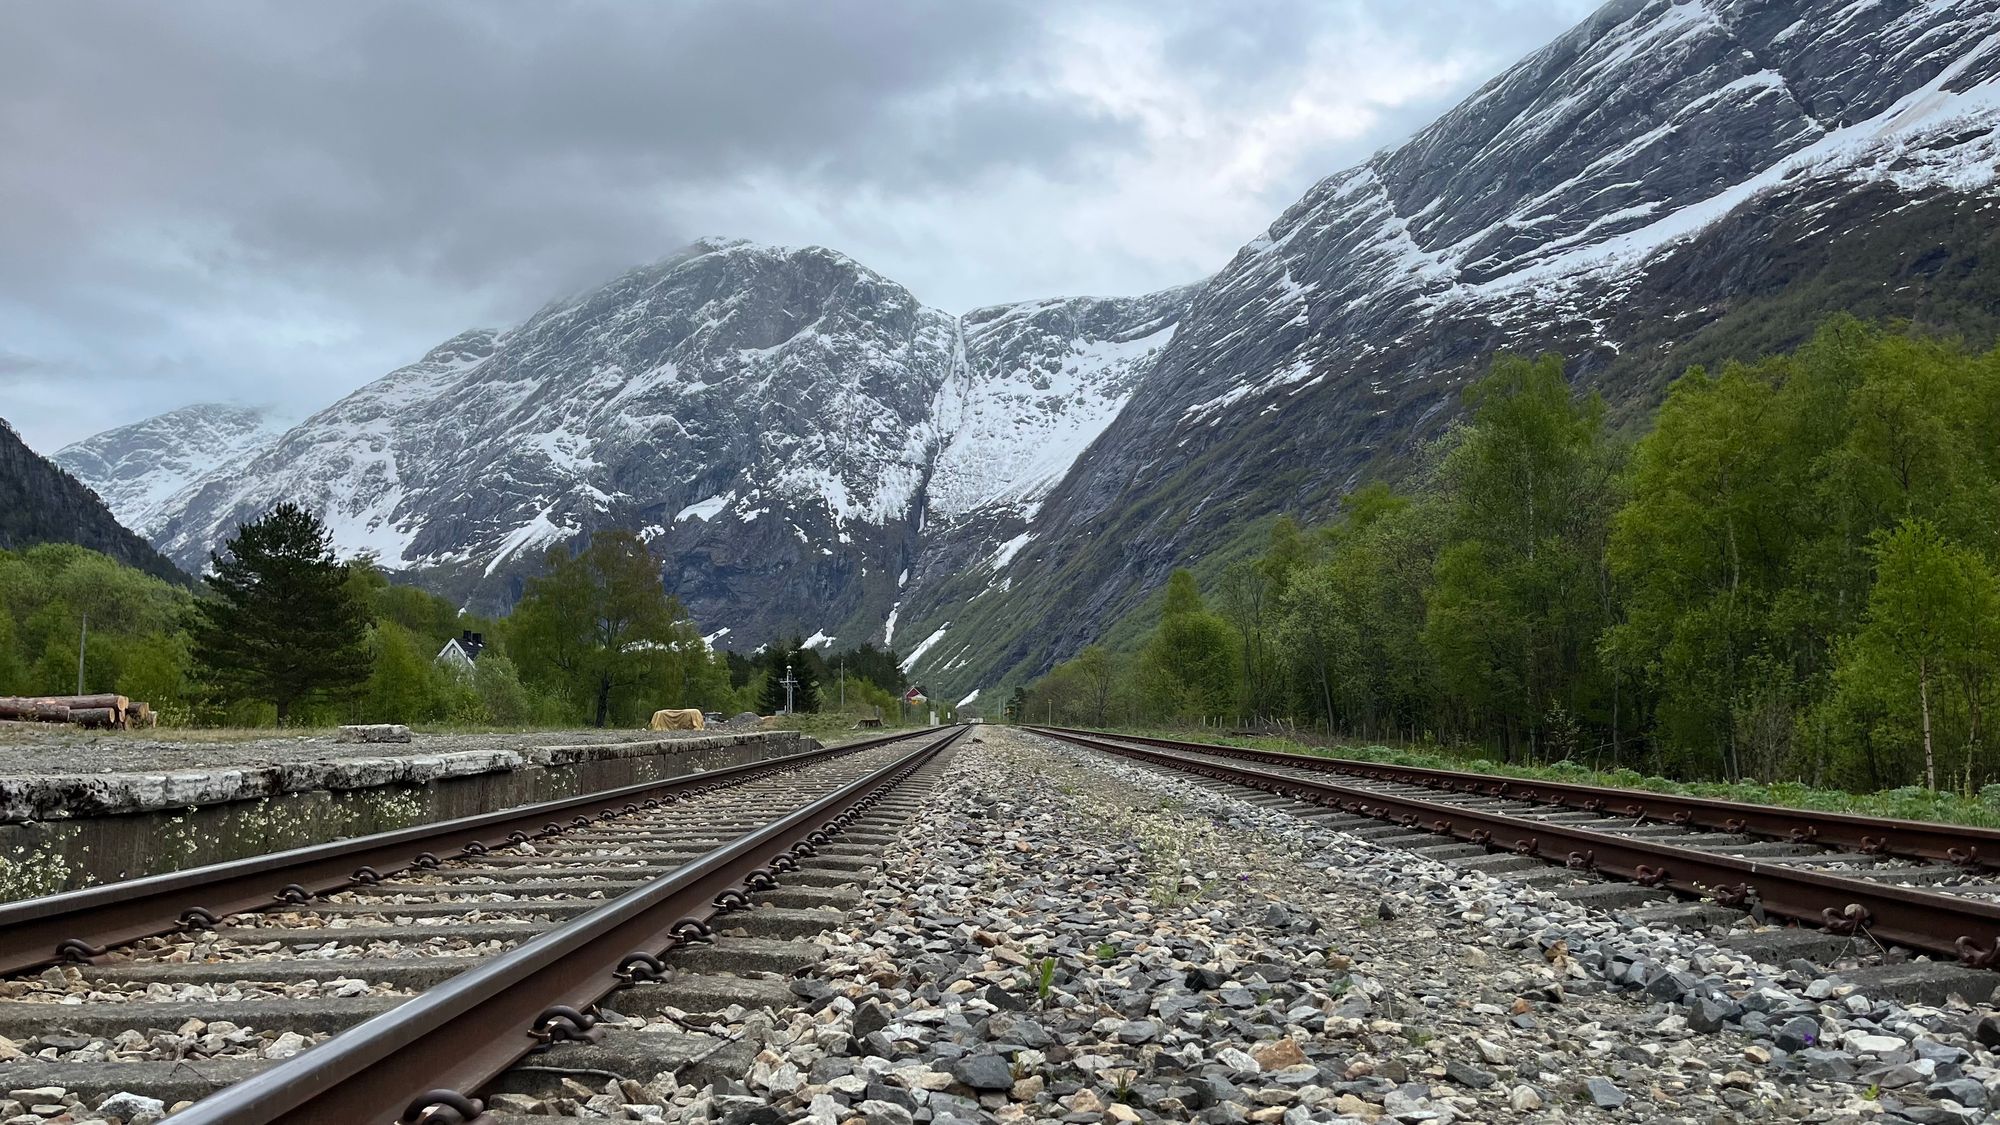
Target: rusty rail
[1968,929]
[82,926]
[425,1060]
[1964,845]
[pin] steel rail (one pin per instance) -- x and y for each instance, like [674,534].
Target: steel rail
[1963,845]
[1968,929]
[82,926]
[424,1060]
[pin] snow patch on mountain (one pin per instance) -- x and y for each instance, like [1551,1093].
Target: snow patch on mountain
[536,532]
[925,646]
[138,470]
[1034,385]
[1006,552]
[1888,146]
[705,509]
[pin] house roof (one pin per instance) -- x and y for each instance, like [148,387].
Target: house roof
[465,647]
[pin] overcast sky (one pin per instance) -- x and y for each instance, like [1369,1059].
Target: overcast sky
[272,204]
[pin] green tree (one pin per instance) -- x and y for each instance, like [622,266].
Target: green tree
[789,656]
[501,695]
[1922,613]
[1245,597]
[1531,489]
[1381,558]
[1317,634]
[11,672]
[878,666]
[1096,673]
[155,668]
[1017,705]
[1189,664]
[401,685]
[48,590]
[1746,549]
[281,623]
[597,624]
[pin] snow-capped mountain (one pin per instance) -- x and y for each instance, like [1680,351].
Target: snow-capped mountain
[811,449]
[140,469]
[1670,182]
[782,425]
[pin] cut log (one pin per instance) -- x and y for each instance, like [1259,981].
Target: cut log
[141,715]
[95,716]
[105,699]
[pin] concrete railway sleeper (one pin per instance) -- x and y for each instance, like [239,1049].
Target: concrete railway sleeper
[1963,846]
[1959,926]
[424,981]
[1802,850]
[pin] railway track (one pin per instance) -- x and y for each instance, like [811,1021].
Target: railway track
[1918,886]
[405,976]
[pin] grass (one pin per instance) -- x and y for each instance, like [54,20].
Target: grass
[1907,803]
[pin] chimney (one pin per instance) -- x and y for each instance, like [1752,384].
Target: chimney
[479,638]
[465,635]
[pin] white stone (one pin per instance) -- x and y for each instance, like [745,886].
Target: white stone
[1239,1061]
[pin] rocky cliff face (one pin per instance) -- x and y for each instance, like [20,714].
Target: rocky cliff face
[1669,182]
[140,470]
[40,503]
[781,425]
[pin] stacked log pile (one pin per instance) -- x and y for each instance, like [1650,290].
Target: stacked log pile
[109,712]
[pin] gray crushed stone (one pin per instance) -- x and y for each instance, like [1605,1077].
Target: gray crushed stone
[1063,937]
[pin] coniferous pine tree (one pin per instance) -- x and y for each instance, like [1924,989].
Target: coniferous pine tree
[805,689]
[281,623]
[771,700]
[805,697]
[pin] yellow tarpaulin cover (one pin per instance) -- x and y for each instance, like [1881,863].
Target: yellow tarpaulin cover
[686,718]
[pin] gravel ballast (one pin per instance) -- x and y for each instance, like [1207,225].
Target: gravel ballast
[1065,937]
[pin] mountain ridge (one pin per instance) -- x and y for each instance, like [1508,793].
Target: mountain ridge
[782,424]
[42,503]
[140,469]
[1671,181]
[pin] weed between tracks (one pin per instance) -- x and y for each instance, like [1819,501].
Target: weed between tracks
[1184,854]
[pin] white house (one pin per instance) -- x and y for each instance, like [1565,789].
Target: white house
[462,651]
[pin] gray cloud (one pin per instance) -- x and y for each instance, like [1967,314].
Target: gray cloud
[270,202]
